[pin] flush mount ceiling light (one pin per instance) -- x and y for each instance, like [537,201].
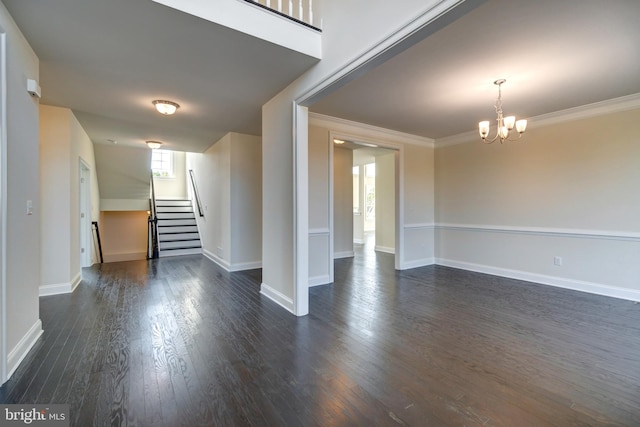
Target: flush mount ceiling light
[165,107]
[338,141]
[505,124]
[154,144]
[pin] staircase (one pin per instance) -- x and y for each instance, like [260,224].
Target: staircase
[177,229]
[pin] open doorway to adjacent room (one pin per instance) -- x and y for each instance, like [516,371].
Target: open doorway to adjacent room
[374,199]
[365,202]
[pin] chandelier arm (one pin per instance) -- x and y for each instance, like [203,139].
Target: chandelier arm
[492,140]
[513,139]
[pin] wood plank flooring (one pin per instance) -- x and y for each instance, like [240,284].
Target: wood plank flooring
[180,342]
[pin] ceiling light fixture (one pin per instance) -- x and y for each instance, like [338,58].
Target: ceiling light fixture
[505,124]
[338,141]
[154,144]
[165,107]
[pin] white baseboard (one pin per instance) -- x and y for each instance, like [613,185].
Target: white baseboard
[76,281]
[277,297]
[344,254]
[576,285]
[325,279]
[231,267]
[20,351]
[60,288]
[417,263]
[385,249]
[213,257]
[242,266]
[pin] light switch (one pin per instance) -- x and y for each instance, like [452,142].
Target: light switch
[29,207]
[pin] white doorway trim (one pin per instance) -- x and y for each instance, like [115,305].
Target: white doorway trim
[398,148]
[3,207]
[301,210]
[84,215]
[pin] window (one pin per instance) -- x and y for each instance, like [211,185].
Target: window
[162,163]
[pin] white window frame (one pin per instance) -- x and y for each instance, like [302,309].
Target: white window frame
[170,170]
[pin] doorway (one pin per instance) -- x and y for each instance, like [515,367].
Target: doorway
[85,214]
[374,199]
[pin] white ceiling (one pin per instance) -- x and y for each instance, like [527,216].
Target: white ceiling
[107,60]
[554,54]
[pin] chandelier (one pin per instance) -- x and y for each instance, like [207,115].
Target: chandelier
[505,124]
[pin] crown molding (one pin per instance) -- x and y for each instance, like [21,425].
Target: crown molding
[610,106]
[367,131]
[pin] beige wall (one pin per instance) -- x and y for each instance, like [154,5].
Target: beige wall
[386,202]
[319,190]
[566,190]
[124,235]
[419,208]
[246,201]
[582,175]
[55,197]
[342,202]
[63,144]
[419,181]
[229,181]
[213,175]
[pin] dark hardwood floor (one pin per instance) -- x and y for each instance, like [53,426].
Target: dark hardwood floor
[178,341]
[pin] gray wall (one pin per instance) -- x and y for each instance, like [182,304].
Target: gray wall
[124,175]
[19,176]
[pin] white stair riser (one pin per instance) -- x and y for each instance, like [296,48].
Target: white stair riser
[178,229]
[163,209]
[176,221]
[173,203]
[179,244]
[180,252]
[172,215]
[179,236]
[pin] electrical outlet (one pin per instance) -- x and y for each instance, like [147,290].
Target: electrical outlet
[220,251]
[557,260]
